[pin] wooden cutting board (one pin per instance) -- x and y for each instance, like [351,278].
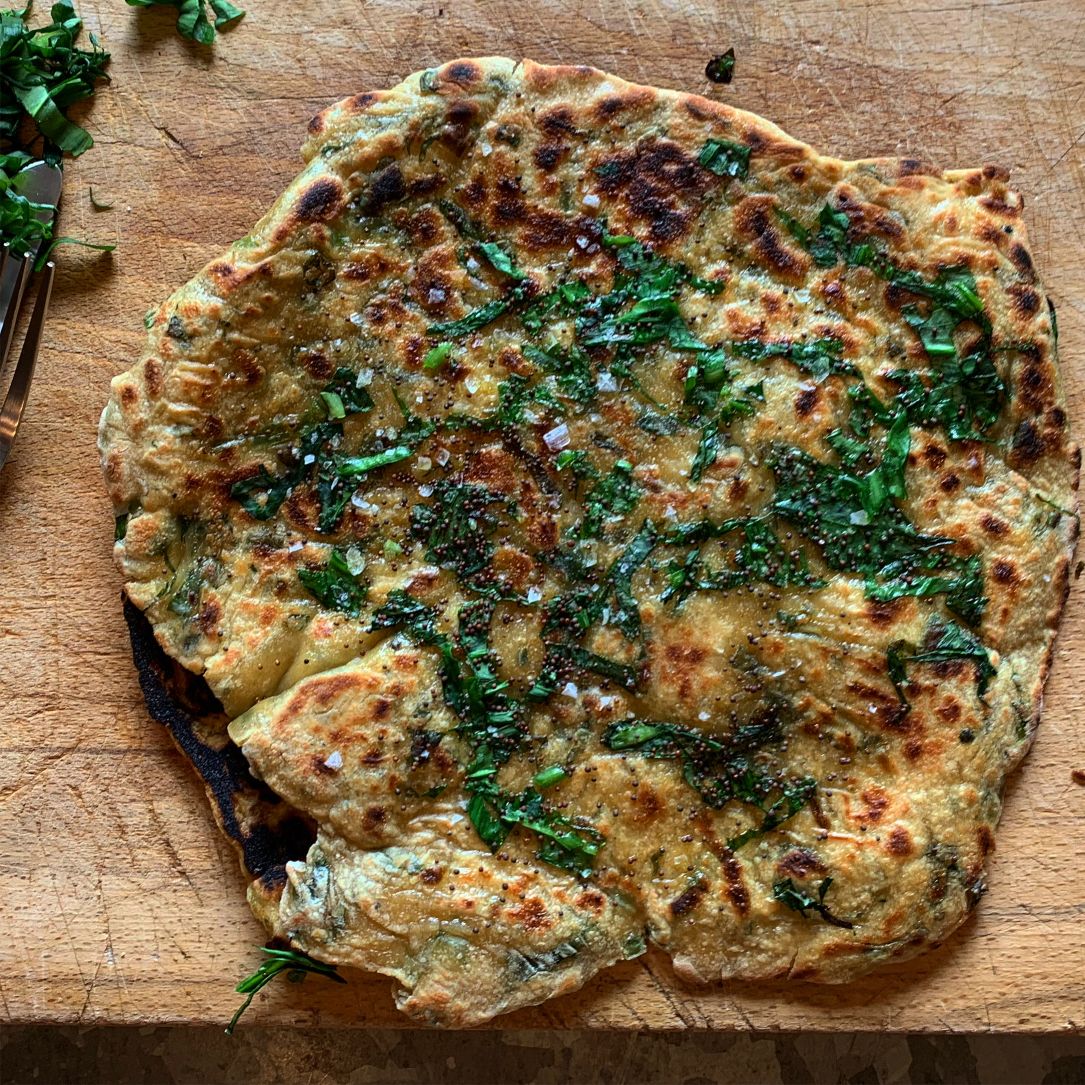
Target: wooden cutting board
[120,901]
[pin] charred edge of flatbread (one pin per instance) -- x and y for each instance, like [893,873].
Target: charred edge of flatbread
[266,831]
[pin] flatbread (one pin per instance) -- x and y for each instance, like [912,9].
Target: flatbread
[606,522]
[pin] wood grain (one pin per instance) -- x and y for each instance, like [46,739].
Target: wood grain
[121,903]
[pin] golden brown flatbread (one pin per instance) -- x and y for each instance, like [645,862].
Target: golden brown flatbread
[607,522]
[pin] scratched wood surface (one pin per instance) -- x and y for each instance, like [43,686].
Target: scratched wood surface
[120,903]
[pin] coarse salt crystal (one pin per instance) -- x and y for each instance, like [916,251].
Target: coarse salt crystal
[365,377]
[425,490]
[702,716]
[582,242]
[486,149]
[605,382]
[359,502]
[533,595]
[443,456]
[591,200]
[424,463]
[860,517]
[309,459]
[357,320]
[295,546]
[436,294]
[471,385]
[570,689]
[334,761]
[557,438]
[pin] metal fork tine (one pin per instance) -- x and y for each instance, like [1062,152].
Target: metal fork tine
[14,273]
[19,391]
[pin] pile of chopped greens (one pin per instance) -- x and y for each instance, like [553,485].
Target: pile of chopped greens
[42,74]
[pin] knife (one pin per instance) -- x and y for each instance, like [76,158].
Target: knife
[40,184]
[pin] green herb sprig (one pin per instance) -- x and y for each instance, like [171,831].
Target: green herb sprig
[294,963]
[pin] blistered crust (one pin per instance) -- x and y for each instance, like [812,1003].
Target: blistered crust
[905,816]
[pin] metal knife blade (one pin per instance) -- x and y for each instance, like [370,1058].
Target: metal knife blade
[41,184]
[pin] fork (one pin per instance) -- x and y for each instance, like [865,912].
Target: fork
[19,389]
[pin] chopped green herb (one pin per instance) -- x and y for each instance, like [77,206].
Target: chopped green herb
[457,527]
[576,459]
[945,642]
[461,222]
[549,777]
[561,657]
[819,357]
[472,322]
[659,425]
[293,962]
[334,405]
[43,73]
[500,259]
[721,69]
[193,21]
[336,585]
[798,900]
[572,368]
[262,493]
[612,496]
[436,357]
[353,466]
[759,559]
[725,158]
[707,449]
[403,610]
[352,396]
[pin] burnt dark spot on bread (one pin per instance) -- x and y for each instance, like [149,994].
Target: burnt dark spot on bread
[756,221]
[686,901]
[659,183]
[320,202]
[806,401]
[1027,446]
[464,73]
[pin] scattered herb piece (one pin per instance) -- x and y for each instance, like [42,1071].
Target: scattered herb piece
[293,962]
[613,495]
[336,585]
[798,900]
[500,259]
[725,158]
[354,466]
[944,642]
[572,368]
[721,69]
[436,357]
[548,777]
